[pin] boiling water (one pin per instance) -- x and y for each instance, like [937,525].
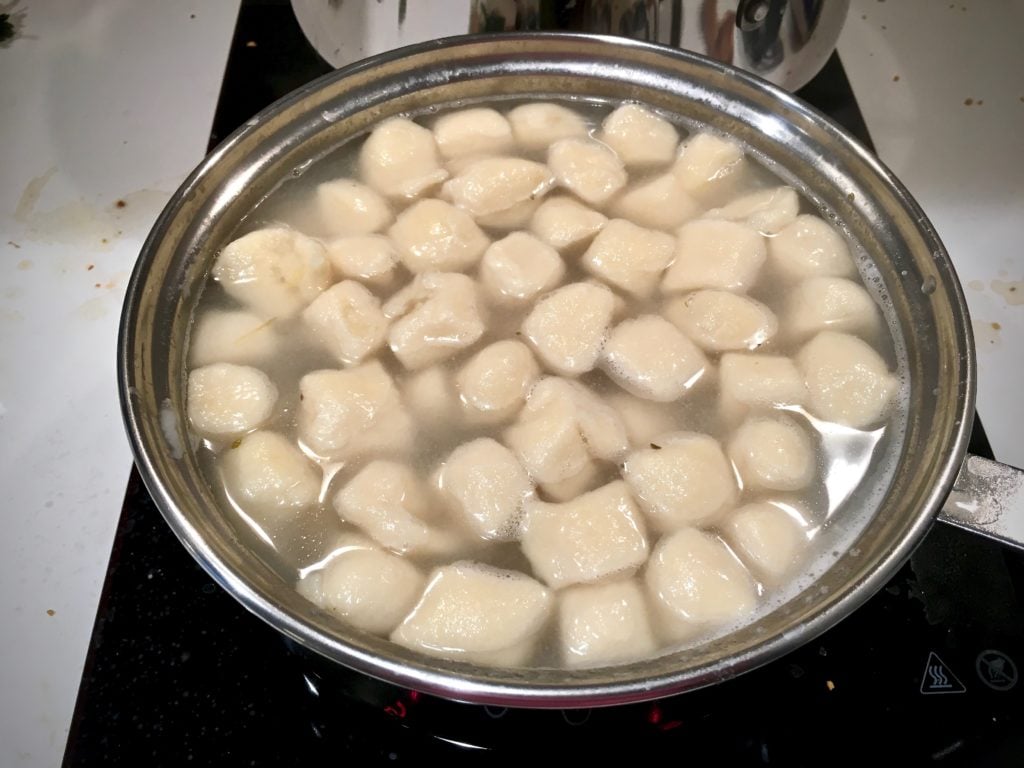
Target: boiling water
[854,466]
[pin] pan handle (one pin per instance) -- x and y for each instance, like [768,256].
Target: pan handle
[988,498]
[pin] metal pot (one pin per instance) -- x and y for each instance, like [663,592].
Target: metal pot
[785,42]
[925,304]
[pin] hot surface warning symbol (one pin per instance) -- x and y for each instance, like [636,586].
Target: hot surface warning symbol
[939,678]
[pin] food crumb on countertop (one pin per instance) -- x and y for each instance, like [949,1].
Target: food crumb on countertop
[50,612]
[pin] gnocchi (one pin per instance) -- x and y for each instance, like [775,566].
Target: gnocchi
[433,236]
[366,586]
[347,207]
[598,534]
[651,358]
[275,271]
[225,400]
[588,169]
[639,136]
[519,267]
[721,321]
[682,479]
[472,133]
[629,257]
[694,582]
[400,159]
[347,319]
[602,624]
[715,254]
[539,384]
[476,613]
[567,328]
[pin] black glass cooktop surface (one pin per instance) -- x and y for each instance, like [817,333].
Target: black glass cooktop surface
[178,673]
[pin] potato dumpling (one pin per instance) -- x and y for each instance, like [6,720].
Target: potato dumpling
[848,381]
[516,217]
[275,272]
[568,326]
[587,168]
[651,358]
[495,184]
[232,337]
[715,254]
[389,503]
[430,396]
[369,588]
[347,320]
[518,267]
[587,479]
[599,424]
[695,583]
[722,321]
[772,452]
[683,479]
[767,538]
[433,236]
[760,381]
[830,303]
[661,203]
[370,258]
[493,384]
[562,222]
[486,487]
[437,316]
[768,211]
[473,132]
[268,476]
[639,136]
[704,158]
[476,613]
[225,400]
[534,337]
[809,247]
[602,624]
[350,412]
[548,442]
[596,535]
[347,207]
[629,257]
[537,126]
[643,419]
[400,159]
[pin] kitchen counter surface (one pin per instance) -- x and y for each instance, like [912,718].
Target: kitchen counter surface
[106,106]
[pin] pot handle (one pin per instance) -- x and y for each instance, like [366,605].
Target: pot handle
[988,498]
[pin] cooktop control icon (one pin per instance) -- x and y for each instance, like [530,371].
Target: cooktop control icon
[939,678]
[996,670]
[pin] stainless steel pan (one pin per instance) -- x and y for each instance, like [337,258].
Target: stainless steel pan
[924,301]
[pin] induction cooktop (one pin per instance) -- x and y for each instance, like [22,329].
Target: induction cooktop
[179,673]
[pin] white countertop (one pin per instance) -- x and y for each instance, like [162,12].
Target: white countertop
[112,101]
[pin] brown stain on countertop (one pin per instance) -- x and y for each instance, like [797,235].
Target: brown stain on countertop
[50,612]
[1012,291]
[986,335]
[81,224]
